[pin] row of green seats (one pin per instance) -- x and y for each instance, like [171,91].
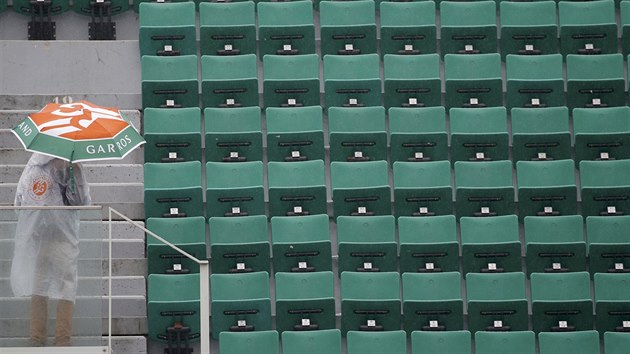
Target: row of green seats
[56,7]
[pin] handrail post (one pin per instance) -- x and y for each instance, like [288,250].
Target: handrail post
[204,308]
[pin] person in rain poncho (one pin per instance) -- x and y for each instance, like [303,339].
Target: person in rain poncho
[47,244]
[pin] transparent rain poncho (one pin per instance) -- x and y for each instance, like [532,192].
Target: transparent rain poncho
[46,241]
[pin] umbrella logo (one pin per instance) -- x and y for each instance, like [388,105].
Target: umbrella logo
[40,187]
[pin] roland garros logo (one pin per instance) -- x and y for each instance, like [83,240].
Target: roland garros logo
[39,187]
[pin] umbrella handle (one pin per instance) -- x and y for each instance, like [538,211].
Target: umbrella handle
[71,171]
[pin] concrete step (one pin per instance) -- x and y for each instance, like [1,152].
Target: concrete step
[120,344]
[121,230]
[92,249]
[99,267]
[86,307]
[94,173]
[19,156]
[101,193]
[90,286]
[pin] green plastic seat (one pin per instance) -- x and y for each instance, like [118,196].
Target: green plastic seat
[260,342]
[189,234]
[357,134]
[393,342]
[605,187]
[479,134]
[540,134]
[612,302]
[233,135]
[227,28]
[608,244]
[301,244]
[514,342]
[240,303]
[352,80]
[135,4]
[534,80]
[432,301]
[169,81]
[490,244]
[172,134]
[418,134]
[173,299]
[616,343]
[229,81]
[595,81]
[581,342]
[305,301]
[408,27]
[428,244]
[56,7]
[422,189]
[167,28]
[3,5]
[234,189]
[370,301]
[239,245]
[360,188]
[561,302]
[367,243]
[100,13]
[291,80]
[528,27]
[468,27]
[412,80]
[555,244]
[602,133]
[286,28]
[295,133]
[297,188]
[484,188]
[496,302]
[587,27]
[546,188]
[325,341]
[430,342]
[482,87]
[347,27]
[173,189]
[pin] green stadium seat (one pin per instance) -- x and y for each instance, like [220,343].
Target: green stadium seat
[555,244]
[608,244]
[602,133]
[188,234]
[301,244]
[291,80]
[479,134]
[352,80]
[612,302]
[528,27]
[297,188]
[391,342]
[418,134]
[587,27]
[616,343]
[561,302]
[408,27]
[432,302]
[580,342]
[496,302]
[239,245]
[412,80]
[234,189]
[360,188]
[347,27]
[605,187]
[468,27]
[233,135]
[357,134]
[286,28]
[367,243]
[3,5]
[167,28]
[295,134]
[41,26]
[490,244]
[173,307]
[305,301]
[173,189]
[370,302]
[430,342]
[484,188]
[595,81]
[240,303]
[56,7]
[227,28]
[101,26]
[229,81]
[534,80]
[428,244]
[135,4]
[172,134]
[422,189]
[482,87]
[540,134]
[325,341]
[515,342]
[259,342]
[169,81]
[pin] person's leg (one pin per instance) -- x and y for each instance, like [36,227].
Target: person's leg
[63,326]
[39,319]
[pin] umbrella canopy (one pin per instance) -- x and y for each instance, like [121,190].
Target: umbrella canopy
[77,132]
